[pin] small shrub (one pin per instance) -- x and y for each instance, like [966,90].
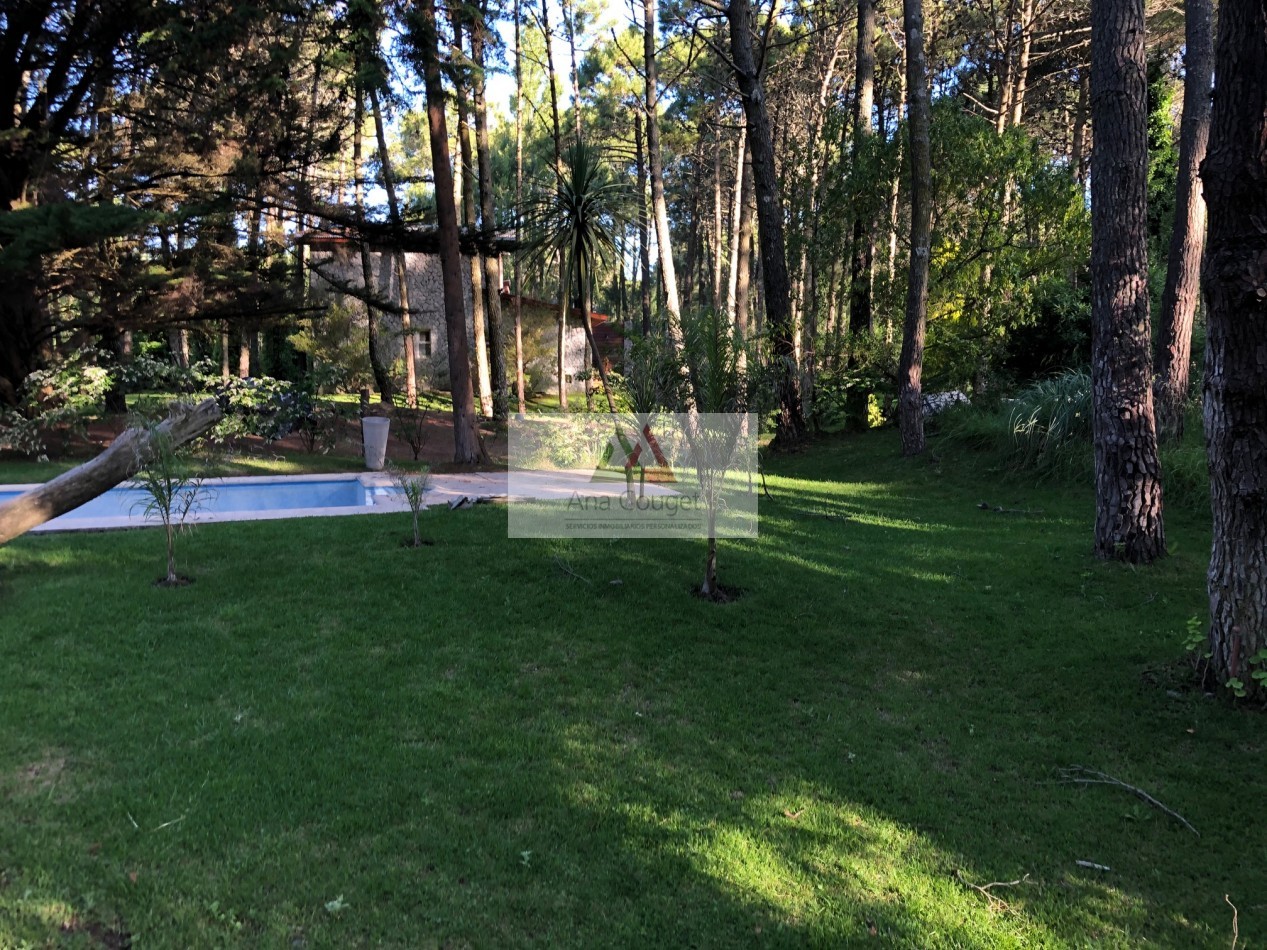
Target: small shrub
[411,427]
[414,486]
[173,492]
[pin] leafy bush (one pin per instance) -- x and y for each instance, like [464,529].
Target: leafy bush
[273,409]
[60,398]
[338,337]
[873,372]
[148,372]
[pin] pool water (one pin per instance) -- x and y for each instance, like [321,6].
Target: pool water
[233,499]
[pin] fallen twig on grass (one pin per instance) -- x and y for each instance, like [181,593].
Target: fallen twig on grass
[1081,775]
[566,568]
[995,902]
[1093,866]
[999,509]
[1236,930]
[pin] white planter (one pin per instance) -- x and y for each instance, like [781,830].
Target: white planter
[374,430]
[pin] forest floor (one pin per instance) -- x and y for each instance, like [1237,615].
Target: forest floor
[329,739]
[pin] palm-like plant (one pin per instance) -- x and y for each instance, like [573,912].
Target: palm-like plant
[171,493]
[577,216]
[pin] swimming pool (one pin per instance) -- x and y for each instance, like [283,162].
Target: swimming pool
[253,498]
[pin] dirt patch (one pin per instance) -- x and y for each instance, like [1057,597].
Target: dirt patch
[724,594]
[38,777]
[114,937]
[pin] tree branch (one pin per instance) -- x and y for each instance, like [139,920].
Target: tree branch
[1080,775]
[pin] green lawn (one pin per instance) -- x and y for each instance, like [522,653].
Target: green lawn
[330,740]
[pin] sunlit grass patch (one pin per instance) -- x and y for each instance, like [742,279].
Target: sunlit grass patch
[332,740]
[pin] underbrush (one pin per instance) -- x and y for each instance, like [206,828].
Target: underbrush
[1045,431]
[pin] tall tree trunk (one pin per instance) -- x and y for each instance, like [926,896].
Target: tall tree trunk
[644,235]
[1004,112]
[790,429]
[808,274]
[1128,523]
[483,373]
[743,262]
[1022,61]
[569,28]
[519,203]
[687,285]
[584,297]
[861,260]
[1187,241]
[564,282]
[1234,175]
[736,214]
[488,221]
[659,205]
[895,186]
[1078,147]
[398,255]
[381,377]
[718,303]
[911,368]
[244,352]
[466,440]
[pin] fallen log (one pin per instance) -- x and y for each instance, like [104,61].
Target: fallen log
[126,456]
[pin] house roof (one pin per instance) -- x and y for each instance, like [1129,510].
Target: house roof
[606,330]
[546,306]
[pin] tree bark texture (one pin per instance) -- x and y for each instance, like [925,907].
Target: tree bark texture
[1187,242]
[861,259]
[519,203]
[382,378]
[736,225]
[466,441]
[1234,175]
[790,429]
[1128,523]
[470,213]
[644,230]
[564,304]
[919,108]
[127,455]
[398,256]
[488,222]
[655,167]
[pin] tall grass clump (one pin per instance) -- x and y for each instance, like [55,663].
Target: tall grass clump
[1045,428]
[1185,472]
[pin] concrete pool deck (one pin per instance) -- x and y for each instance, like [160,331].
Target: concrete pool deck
[381,496]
